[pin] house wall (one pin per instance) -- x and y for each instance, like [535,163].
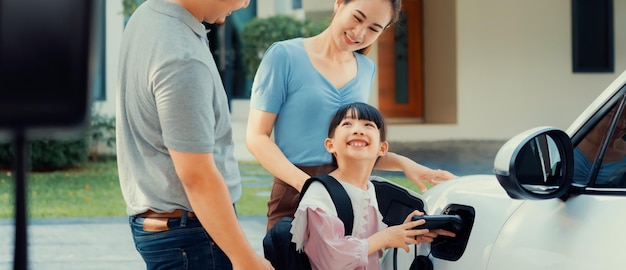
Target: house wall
[513,69]
[114,28]
[264,8]
[440,72]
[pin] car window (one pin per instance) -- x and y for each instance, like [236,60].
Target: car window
[600,157]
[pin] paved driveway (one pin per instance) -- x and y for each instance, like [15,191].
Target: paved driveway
[91,243]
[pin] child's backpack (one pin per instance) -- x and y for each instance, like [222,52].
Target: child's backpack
[394,203]
[277,245]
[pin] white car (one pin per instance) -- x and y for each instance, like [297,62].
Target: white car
[555,200]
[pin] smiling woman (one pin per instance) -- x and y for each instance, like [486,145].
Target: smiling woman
[296,104]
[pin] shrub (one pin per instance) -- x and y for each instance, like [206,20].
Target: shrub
[259,33]
[51,155]
[101,133]
[48,155]
[129,6]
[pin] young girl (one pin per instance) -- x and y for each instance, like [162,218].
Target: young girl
[356,140]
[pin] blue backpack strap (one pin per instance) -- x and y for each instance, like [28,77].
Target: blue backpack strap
[340,198]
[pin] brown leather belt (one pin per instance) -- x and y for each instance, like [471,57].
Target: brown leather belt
[178,213]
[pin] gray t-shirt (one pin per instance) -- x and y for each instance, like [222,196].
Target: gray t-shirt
[169,96]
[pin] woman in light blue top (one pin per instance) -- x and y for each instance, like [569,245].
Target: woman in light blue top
[300,83]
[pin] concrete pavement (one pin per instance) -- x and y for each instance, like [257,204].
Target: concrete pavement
[91,243]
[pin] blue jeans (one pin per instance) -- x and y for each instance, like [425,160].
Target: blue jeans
[185,245]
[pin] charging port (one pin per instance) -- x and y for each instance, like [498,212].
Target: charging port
[452,248]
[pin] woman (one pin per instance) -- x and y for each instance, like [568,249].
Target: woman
[300,83]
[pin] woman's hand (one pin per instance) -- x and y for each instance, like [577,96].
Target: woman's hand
[417,173]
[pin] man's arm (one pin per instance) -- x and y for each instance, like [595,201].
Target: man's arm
[209,197]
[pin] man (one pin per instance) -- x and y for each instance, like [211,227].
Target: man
[177,170]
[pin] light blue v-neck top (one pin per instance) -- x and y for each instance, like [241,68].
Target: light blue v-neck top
[287,84]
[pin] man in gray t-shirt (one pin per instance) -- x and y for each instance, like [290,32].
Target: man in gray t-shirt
[177,170]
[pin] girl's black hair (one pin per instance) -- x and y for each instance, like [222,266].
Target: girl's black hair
[362,111]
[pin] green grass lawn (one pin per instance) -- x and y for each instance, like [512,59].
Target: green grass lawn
[93,191]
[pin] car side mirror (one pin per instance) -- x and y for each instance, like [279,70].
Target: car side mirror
[536,164]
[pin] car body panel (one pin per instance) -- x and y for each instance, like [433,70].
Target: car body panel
[569,234]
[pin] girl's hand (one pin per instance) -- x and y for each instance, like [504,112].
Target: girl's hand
[429,236]
[400,236]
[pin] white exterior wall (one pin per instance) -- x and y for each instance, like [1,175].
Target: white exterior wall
[318,5]
[114,28]
[267,8]
[514,67]
[264,8]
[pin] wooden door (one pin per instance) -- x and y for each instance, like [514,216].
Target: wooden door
[400,76]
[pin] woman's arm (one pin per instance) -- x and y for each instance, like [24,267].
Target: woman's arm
[413,170]
[265,150]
